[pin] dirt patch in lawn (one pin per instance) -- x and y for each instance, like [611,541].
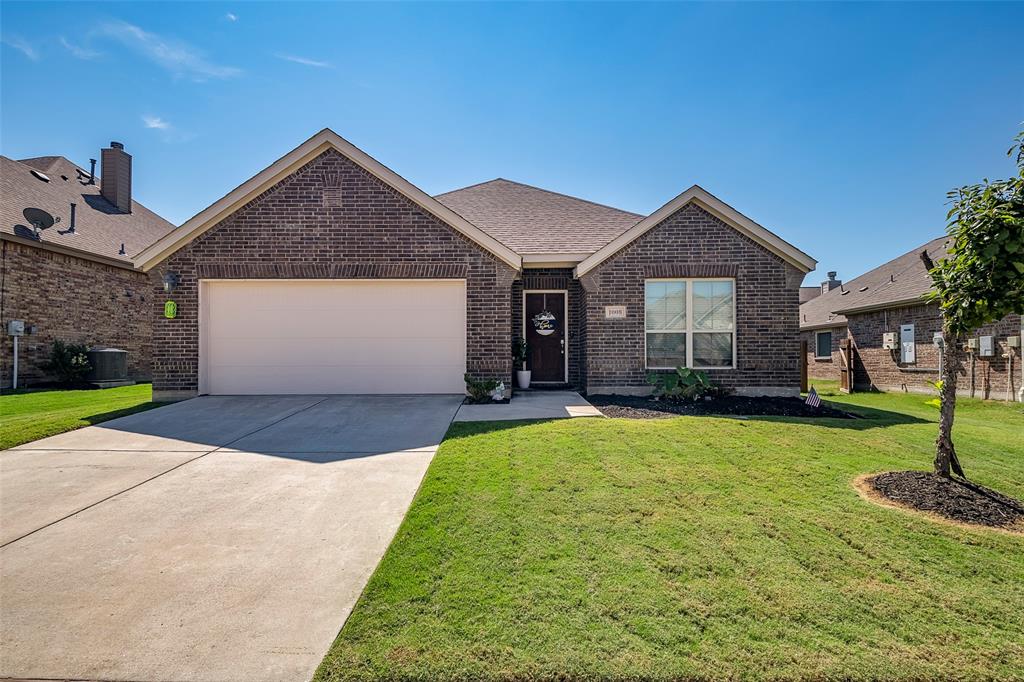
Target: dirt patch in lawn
[642,407]
[955,501]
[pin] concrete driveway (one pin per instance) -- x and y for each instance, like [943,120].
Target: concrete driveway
[223,538]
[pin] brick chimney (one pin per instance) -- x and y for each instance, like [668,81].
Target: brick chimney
[116,176]
[831,283]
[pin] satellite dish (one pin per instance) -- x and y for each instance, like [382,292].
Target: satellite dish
[39,219]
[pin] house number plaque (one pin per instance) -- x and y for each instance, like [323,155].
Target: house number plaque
[615,312]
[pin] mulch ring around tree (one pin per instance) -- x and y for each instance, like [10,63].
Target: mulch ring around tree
[642,407]
[951,499]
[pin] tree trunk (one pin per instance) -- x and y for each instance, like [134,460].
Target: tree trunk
[952,361]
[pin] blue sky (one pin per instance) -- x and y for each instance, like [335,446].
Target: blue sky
[838,126]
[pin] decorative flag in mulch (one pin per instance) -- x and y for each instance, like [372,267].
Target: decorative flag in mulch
[813,399]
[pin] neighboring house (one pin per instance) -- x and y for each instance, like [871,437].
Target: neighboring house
[74,281]
[890,300]
[329,273]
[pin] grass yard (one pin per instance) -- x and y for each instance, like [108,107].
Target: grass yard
[695,547]
[29,415]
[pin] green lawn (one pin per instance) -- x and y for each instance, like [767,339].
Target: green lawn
[28,415]
[695,547]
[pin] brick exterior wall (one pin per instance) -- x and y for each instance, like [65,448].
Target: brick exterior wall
[876,368]
[331,219]
[554,278]
[818,368]
[694,243]
[73,300]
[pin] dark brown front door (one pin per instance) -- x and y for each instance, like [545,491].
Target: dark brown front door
[545,332]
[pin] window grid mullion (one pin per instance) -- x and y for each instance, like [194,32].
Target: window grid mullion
[689,323]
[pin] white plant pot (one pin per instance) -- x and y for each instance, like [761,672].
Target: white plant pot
[523,378]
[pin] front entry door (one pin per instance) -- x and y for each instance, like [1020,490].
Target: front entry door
[544,317]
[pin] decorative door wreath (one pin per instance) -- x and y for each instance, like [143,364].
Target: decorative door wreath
[544,323]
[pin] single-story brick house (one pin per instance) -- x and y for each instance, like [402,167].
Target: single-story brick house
[328,273]
[889,300]
[74,281]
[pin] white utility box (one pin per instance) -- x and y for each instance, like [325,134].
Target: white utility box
[986,346]
[908,349]
[16,328]
[889,341]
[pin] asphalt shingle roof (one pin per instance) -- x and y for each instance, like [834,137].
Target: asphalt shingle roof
[898,281]
[99,227]
[531,220]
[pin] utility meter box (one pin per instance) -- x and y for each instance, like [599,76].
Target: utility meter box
[889,341]
[16,328]
[937,339]
[972,343]
[1013,341]
[986,346]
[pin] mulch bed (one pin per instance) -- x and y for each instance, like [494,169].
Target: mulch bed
[641,407]
[953,499]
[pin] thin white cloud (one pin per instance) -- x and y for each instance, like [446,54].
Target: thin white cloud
[178,58]
[155,122]
[305,61]
[78,51]
[22,46]
[230,16]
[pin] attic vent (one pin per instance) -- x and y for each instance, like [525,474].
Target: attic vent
[332,189]
[40,175]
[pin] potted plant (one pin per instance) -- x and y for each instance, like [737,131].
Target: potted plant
[520,350]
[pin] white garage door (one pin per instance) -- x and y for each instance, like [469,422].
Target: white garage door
[333,336]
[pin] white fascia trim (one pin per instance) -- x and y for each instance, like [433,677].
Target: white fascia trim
[719,209]
[874,307]
[69,251]
[552,260]
[288,164]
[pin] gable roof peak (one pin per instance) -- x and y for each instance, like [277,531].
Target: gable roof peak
[292,161]
[718,208]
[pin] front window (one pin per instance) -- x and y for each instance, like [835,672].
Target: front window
[823,345]
[690,323]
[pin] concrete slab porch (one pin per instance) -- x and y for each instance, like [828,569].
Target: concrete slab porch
[531,405]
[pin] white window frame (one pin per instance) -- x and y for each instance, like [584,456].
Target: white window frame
[688,281]
[816,335]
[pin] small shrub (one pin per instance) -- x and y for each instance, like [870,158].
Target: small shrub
[685,384]
[68,362]
[480,390]
[520,350]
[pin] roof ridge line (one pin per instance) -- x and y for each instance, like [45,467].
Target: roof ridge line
[549,191]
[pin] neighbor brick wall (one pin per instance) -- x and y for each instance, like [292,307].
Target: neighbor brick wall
[361,229]
[693,243]
[553,278]
[876,368]
[72,300]
[818,368]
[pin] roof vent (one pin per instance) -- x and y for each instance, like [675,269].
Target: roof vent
[40,175]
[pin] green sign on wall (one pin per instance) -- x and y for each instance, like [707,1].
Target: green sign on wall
[170,310]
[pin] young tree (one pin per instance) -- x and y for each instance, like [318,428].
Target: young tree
[980,280]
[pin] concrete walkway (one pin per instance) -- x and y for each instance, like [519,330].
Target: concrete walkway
[224,538]
[531,405]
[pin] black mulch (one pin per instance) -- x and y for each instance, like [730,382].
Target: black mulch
[640,407]
[953,499]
